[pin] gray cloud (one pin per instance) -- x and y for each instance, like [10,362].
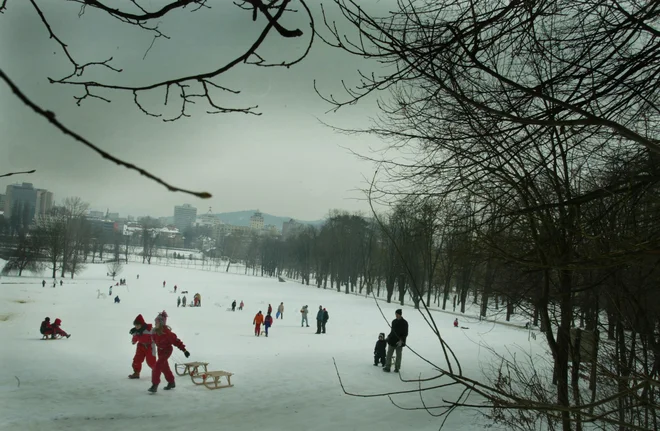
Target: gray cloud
[284,162]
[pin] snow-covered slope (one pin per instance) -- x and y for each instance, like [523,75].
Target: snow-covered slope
[284,382]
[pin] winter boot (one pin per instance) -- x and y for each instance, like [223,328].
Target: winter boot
[169,386]
[134,376]
[153,389]
[396,370]
[387,370]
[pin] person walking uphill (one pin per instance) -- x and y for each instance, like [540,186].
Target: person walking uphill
[396,341]
[280,311]
[258,320]
[163,340]
[268,322]
[141,333]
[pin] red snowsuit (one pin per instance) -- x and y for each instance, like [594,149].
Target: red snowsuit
[56,328]
[258,320]
[164,343]
[142,337]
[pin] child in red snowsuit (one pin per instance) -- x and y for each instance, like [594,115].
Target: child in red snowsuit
[163,340]
[57,330]
[142,337]
[258,320]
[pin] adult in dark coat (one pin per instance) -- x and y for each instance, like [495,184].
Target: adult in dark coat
[396,341]
[319,320]
[326,316]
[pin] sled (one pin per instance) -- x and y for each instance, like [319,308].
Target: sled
[48,337]
[190,368]
[213,379]
[281,280]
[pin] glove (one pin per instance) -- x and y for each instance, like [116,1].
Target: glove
[133,342]
[132,331]
[186,354]
[399,343]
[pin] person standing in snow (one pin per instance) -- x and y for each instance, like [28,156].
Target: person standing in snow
[304,311]
[141,332]
[396,341]
[233,305]
[280,311]
[163,284]
[456,323]
[43,283]
[379,350]
[258,320]
[270,309]
[268,322]
[110,291]
[178,302]
[183,301]
[319,320]
[326,317]
[175,288]
[241,305]
[163,341]
[61,282]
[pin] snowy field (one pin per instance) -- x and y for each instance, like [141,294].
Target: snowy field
[284,382]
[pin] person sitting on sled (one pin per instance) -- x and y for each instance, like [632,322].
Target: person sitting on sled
[57,330]
[46,328]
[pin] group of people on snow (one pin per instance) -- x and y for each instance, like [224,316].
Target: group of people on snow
[240,307]
[395,342]
[43,283]
[155,344]
[52,330]
[197,301]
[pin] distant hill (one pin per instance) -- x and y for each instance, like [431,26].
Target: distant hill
[242,218]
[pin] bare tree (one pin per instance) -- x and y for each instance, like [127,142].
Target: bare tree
[115,268]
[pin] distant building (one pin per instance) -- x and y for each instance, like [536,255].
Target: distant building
[257,221]
[96,215]
[184,216]
[208,220]
[112,216]
[290,227]
[38,201]
[2,202]
[103,227]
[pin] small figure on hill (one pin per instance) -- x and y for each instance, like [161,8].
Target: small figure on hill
[183,301]
[141,332]
[326,317]
[396,341]
[46,329]
[57,330]
[304,311]
[138,276]
[257,321]
[164,340]
[117,299]
[233,305]
[110,291]
[456,323]
[380,350]
[319,320]
[178,302]
[268,322]
[175,288]
[241,305]
[270,309]
[61,282]
[280,311]
[163,284]
[43,283]
[197,300]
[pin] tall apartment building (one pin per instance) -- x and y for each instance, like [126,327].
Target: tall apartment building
[2,201]
[38,201]
[257,221]
[184,216]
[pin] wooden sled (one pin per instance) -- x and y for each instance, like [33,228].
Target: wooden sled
[190,368]
[281,279]
[213,379]
[48,337]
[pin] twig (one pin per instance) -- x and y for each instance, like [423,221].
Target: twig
[50,116]
[19,381]
[18,173]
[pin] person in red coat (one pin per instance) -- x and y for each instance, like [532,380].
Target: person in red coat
[142,337]
[57,330]
[258,320]
[163,340]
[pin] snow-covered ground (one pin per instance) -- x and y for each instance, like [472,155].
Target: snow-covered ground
[284,382]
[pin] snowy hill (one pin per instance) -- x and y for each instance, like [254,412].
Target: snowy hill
[284,382]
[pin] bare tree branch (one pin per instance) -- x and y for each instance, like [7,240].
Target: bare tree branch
[50,116]
[18,173]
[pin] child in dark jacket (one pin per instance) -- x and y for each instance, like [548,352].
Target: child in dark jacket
[379,350]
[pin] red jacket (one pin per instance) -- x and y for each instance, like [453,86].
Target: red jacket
[166,340]
[268,320]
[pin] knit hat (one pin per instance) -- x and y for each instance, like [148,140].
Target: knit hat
[398,311]
[162,318]
[47,319]
[382,334]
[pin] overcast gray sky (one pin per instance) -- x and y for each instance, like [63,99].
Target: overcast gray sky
[284,162]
